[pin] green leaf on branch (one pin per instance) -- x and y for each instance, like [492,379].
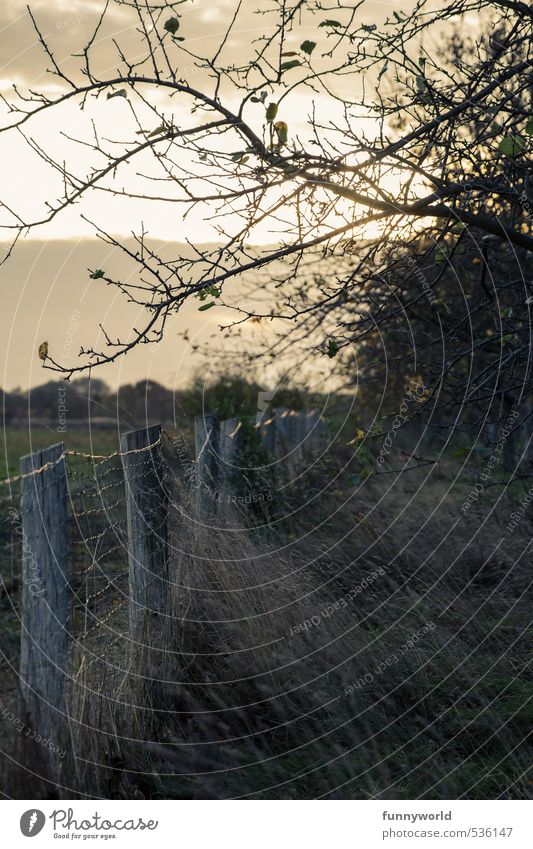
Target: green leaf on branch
[272,111]
[369,27]
[308,47]
[172,25]
[96,275]
[286,66]
[209,292]
[157,131]
[333,348]
[120,93]
[512,145]
[207,306]
[330,23]
[529,127]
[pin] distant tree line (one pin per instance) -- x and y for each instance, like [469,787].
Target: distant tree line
[147,400]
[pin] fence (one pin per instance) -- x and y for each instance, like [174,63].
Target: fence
[95,565]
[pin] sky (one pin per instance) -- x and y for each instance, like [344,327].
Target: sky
[28,182]
[46,278]
[49,296]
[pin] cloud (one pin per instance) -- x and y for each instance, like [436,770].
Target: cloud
[68,23]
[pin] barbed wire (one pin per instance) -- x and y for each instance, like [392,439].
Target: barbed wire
[97,522]
[72,453]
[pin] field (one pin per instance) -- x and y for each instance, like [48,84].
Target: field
[18,441]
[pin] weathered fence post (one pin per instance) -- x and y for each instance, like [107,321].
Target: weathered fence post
[147,502]
[207,446]
[231,483]
[44,649]
[267,434]
[314,431]
[285,442]
[292,436]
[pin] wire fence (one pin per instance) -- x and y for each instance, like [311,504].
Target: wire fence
[98,546]
[87,543]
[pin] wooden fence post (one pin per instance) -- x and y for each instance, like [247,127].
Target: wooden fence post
[315,432]
[207,446]
[147,503]
[231,475]
[284,429]
[44,649]
[233,481]
[267,434]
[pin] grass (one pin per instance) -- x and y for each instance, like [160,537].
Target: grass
[415,685]
[19,441]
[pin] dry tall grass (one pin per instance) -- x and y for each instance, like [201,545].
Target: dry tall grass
[408,678]
[360,641]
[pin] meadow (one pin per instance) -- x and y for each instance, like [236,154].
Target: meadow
[20,440]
